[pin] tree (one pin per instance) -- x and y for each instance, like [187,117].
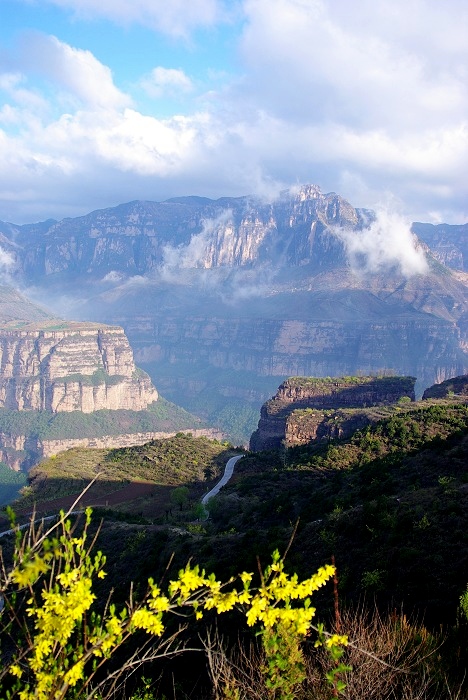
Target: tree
[180,496]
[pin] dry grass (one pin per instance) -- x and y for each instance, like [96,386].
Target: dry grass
[391,658]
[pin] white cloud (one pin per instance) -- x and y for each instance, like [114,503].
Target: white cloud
[28,103]
[361,63]
[166,81]
[375,89]
[173,17]
[196,254]
[7,264]
[360,98]
[76,72]
[387,243]
[6,260]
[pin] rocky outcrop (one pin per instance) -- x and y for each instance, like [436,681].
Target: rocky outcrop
[60,366]
[309,425]
[318,400]
[456,386]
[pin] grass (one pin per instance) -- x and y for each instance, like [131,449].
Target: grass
[166,463]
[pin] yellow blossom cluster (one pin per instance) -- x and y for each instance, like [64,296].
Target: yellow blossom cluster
[66,638]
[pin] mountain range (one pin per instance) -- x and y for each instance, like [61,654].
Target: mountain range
[223,299]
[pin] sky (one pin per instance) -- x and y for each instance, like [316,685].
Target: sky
[108,101]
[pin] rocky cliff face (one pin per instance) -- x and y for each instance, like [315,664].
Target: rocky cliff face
[305,409]
[214,295]
[139,237]
[449,243]
[70,367]
[304,426]
[455,386]
[240,348]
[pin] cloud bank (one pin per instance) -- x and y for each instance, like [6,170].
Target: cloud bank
[360,98]
[387,244]
[177,18]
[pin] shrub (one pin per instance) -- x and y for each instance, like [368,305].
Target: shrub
[59,643]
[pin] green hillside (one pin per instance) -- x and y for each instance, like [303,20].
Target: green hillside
[165,464]
[389,505]
[161,416]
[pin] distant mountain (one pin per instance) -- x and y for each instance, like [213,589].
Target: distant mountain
[17,310]
[223,299]
[139,237]
[448,243]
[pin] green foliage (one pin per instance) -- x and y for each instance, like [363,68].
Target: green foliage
[373,580]
[98,377]
[464,604]
[180,496]
[161,416]
[446,482]
[10,483]
[385,379]
[10,477]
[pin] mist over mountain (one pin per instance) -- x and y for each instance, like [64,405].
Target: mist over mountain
[223,299]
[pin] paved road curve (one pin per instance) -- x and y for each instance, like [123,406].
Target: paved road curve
[226,476]
[47,519]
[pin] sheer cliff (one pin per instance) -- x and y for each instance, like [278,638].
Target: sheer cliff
[70,367]
[48,364]
[64,383]
[306,409]
[223,299]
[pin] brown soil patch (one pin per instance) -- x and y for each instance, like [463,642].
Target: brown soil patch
[130,492]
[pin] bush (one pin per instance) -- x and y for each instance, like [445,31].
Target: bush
[59,642]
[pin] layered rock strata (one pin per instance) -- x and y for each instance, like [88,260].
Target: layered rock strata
[317,401]
[70,367]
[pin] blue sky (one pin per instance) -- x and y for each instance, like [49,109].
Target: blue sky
[107,101]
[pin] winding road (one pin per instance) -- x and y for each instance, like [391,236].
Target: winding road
[225,478]
[228,472]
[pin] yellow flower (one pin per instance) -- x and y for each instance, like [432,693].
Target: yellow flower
[144,619]
[336,640]
[74,674]
[29,571]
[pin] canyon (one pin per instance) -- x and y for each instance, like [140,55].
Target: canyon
[50,367]
[221,300]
